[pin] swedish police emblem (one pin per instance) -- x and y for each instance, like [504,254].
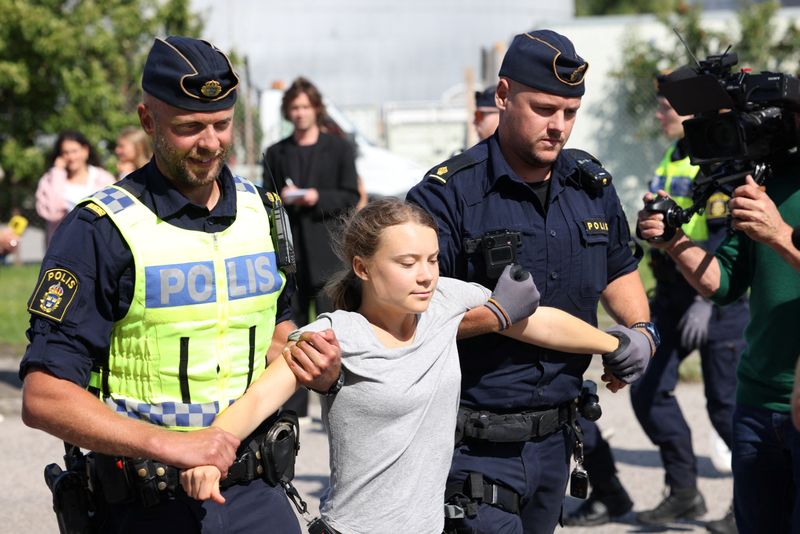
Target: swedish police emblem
[54,294]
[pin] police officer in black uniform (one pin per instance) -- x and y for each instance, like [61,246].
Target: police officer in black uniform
[517,197]
[486,114]
[89,285]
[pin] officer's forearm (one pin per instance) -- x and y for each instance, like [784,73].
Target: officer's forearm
[625,300]
[478,321]
[69,412]
[555,329]
[263,398]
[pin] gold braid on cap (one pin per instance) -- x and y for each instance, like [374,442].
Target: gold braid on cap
[208,89]
[580,71]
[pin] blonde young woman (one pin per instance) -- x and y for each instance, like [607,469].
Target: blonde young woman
[391,426]
[133,150]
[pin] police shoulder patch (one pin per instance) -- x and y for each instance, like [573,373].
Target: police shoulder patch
[54,294]
[717,206]
[441,173]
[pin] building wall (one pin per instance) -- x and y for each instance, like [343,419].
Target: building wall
[363,52]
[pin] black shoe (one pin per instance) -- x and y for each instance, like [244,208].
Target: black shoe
[597,510]
[679,504]
[726,525]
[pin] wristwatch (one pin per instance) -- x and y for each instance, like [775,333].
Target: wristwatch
[652,330]
[334,389]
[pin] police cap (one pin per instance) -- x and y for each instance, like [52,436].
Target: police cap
[485,98]
[547,61]
[190,74]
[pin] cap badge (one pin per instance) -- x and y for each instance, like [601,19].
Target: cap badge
[211,89]
[577,73]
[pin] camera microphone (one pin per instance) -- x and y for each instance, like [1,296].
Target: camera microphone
[796,237]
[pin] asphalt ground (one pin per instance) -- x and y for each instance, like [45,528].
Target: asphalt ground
[26,506]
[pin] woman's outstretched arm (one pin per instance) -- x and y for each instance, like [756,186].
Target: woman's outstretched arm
[555,329]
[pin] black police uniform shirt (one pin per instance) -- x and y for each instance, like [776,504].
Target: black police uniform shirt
[574,247]
[89,248]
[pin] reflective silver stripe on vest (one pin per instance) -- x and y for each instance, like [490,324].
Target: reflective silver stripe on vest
[168,413]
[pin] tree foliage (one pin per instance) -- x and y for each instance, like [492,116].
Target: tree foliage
[584,8]
[72,64]
[756,38]
[630,142]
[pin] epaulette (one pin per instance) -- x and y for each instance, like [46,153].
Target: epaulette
[578,155]
[92,212]
[457,163]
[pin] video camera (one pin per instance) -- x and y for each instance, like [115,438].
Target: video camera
[742,122]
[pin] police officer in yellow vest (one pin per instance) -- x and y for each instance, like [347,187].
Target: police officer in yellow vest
[686,322]
[156,304]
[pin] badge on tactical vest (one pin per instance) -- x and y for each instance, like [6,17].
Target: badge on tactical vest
[57,288]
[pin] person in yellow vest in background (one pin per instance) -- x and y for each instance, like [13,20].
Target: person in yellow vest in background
[686,321]
[155,308]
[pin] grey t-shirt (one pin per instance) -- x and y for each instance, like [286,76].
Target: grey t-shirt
[391,427]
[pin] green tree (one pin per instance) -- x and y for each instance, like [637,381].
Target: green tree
[761,44]
[756,39]
[67,64]
[586,8]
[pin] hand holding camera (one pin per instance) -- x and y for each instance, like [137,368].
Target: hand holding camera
[755,214]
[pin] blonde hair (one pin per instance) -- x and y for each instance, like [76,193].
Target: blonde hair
[141,144]
[359,235]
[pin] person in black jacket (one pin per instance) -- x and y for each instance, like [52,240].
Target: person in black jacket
[315,174]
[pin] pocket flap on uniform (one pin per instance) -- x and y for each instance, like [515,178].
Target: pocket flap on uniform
[594,230]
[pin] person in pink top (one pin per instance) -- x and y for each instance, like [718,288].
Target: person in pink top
[74,174]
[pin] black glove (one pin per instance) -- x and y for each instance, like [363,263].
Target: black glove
[515,296]
[629,361]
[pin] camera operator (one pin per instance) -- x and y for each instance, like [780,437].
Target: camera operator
[685,321]
[758,257]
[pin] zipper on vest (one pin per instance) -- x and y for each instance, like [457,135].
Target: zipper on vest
[223,299]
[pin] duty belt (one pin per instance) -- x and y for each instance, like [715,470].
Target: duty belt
[514,427]
[267,454]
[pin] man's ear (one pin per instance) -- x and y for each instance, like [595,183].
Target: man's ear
[502,93]
[146,119]
[360,268]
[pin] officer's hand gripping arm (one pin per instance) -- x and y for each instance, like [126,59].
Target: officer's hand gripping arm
[629,360]
[515,296]
[315,359]
[67,411]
